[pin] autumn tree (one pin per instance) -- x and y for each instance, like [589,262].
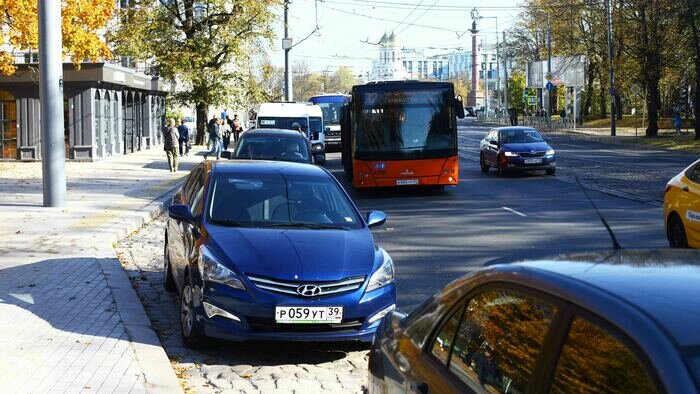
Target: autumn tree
[342,80]
[203,45]
[82,21]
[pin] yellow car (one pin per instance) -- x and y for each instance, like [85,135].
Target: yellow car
[682,208]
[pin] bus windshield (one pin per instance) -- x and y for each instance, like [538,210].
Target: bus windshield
[331,113]
[408,123]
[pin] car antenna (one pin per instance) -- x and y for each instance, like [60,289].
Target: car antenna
[616,245]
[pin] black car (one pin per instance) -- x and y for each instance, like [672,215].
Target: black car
[276,144]
[608,322]
[516,149]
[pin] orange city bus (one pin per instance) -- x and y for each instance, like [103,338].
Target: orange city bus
[401,133]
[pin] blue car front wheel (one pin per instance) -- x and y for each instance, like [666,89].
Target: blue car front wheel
[191,334]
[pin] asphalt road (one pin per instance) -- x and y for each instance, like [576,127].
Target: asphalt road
[437,237]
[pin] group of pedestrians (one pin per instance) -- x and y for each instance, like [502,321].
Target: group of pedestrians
[220,133]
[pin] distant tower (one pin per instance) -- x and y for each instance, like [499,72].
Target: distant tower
[475,95]
[389,65]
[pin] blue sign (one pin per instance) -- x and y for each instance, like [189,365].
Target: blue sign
[549,86]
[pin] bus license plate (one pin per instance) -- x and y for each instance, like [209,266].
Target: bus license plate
[533,161]
[308,314]
[401,182]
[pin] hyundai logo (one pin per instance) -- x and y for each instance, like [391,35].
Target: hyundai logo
[407,172]
[309,290]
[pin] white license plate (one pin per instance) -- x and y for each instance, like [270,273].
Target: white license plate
[308,314]
[407,181]
[533,161]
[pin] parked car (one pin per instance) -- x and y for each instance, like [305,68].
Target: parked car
[264,250]
[682,208]
[614,322]
[516,149]
[276,144]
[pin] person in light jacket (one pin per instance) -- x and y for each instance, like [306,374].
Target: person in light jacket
[170,144]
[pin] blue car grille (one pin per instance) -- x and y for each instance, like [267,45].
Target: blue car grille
[290,287]
[531,154]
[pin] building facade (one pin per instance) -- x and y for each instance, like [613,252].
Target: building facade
[108,110]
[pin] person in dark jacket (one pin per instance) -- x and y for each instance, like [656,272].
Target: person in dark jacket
[170,144]
[184,138]
[216,140]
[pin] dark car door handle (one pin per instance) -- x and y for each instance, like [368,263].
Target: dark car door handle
[685,189]
[419,388]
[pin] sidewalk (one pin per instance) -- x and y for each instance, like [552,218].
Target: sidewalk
[70,320]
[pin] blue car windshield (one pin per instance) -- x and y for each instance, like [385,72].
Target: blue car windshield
[276,200]
[519,136]
[256,147]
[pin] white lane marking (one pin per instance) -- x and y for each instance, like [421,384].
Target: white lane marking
[515,212]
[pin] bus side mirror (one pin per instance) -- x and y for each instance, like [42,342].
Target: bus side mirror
[459,107]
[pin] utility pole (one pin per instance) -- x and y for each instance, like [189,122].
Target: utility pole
[498,81]
[53,148]
[505,75]
[287,46]
[549,70]
[612,71]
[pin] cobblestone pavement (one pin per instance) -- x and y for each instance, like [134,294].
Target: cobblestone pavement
[231,367]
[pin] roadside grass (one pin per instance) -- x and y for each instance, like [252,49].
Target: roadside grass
[629,121]
[685,142]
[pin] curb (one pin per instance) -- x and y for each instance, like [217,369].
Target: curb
[158,374]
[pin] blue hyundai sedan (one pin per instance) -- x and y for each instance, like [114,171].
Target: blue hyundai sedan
[261,250]
[516,149]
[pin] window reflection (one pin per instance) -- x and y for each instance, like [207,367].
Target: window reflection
[444,338]
[592,361]
[499,340]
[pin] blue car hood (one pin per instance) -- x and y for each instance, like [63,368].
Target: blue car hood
[526,147]
[295,254]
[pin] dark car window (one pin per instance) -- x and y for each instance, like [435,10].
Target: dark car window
[273,148]
[520,136]
[593,361]
[499,340]
[694,174]
[268,200]
[445,337]
[188,188]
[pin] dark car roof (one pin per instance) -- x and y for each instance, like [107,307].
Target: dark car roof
[268,167]
[273,133]
[662,286]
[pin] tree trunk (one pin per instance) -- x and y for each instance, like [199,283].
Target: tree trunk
[201,123]
[592,69]
[653,108]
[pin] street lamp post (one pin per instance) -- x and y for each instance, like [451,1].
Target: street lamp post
[612,71]
[287,46]
[53,149]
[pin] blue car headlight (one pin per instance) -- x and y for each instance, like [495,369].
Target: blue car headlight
[214,271]
[384,275]
[510,154]
[550,152]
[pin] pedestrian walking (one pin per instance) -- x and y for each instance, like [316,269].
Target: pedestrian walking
[184,139]
[215,139]
[211,123]
[677,123]
[237,128]
[171,144]
[225,130]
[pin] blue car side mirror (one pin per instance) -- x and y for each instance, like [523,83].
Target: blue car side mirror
[375,218]
[181,213]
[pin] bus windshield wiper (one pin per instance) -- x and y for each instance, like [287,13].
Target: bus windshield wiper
[227,222]
[314,226]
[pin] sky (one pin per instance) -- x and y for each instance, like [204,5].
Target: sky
[348,30]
